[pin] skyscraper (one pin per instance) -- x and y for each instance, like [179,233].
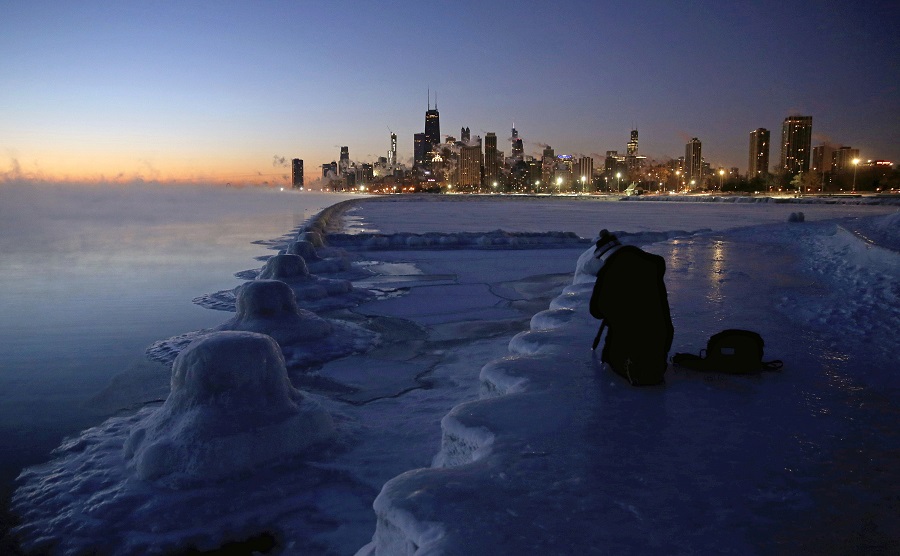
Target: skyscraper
[517,150]
[344,161]
[432,125]
[392,153]
[548,165]
[693,161]
[796,138]
[584,172]
[758,165]
[633,144]
[491,162]
[470,164]
[420,150]
[842,158]
[296,173]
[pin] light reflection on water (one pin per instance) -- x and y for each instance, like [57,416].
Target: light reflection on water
[90,277]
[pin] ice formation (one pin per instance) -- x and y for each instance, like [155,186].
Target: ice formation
[228,442]
[231,409]
[293,270]
[270,307]
[315,263]
[313,292]
[559,456]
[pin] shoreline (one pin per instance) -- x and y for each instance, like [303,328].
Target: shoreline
[330,219]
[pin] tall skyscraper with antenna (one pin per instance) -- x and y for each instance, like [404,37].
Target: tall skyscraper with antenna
[432,123]
[517,149]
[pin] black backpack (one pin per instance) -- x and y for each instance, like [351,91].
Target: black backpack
[731,351]
[630,299]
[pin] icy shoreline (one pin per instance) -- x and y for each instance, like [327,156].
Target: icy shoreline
[534,465]
[501,464]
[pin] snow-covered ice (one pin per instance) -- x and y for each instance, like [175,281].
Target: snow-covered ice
[270,307]
[231,409]
[156,481]
[484,424]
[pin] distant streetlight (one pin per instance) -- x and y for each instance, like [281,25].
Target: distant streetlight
[558,184]
[677,178]
[721,176]
[619,185]
[582,184]
[855,166]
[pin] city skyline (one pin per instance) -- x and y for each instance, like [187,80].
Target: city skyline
[201,92]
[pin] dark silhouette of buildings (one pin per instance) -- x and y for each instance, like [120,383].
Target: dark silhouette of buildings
[693,161]
[758,165]
[297,173]
[796,138]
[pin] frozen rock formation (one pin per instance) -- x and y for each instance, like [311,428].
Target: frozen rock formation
[223,459]
[316,263]
[270,307]
[231,409]
[293,270]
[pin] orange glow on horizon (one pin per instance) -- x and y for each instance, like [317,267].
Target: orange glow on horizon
[75,167]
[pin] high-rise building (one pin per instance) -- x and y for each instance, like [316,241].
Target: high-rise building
[344,161]
[821,159]
[470,164]
[392,153]
[517,150]
[796,139]
[758,165]
[420,151]
[548,165]
[465,135]
[432,125]
[693,161]
[491,159]
[633,143]
[297,173]
[584,172]
[842,159]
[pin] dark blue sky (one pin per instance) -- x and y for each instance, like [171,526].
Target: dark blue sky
[214,90]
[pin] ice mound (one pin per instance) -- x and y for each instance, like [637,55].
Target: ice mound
[314,293]
[231,409]
[222,459]
[270,307]
[316,263]
[293,270]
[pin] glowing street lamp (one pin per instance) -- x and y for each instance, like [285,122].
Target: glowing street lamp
[855,166]
[677,178]
[619,186]
[558,184]
[582,184]
[721,176]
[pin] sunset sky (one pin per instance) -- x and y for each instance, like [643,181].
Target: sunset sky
[220,91]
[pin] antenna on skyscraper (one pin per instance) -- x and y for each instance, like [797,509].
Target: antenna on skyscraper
[429,98]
